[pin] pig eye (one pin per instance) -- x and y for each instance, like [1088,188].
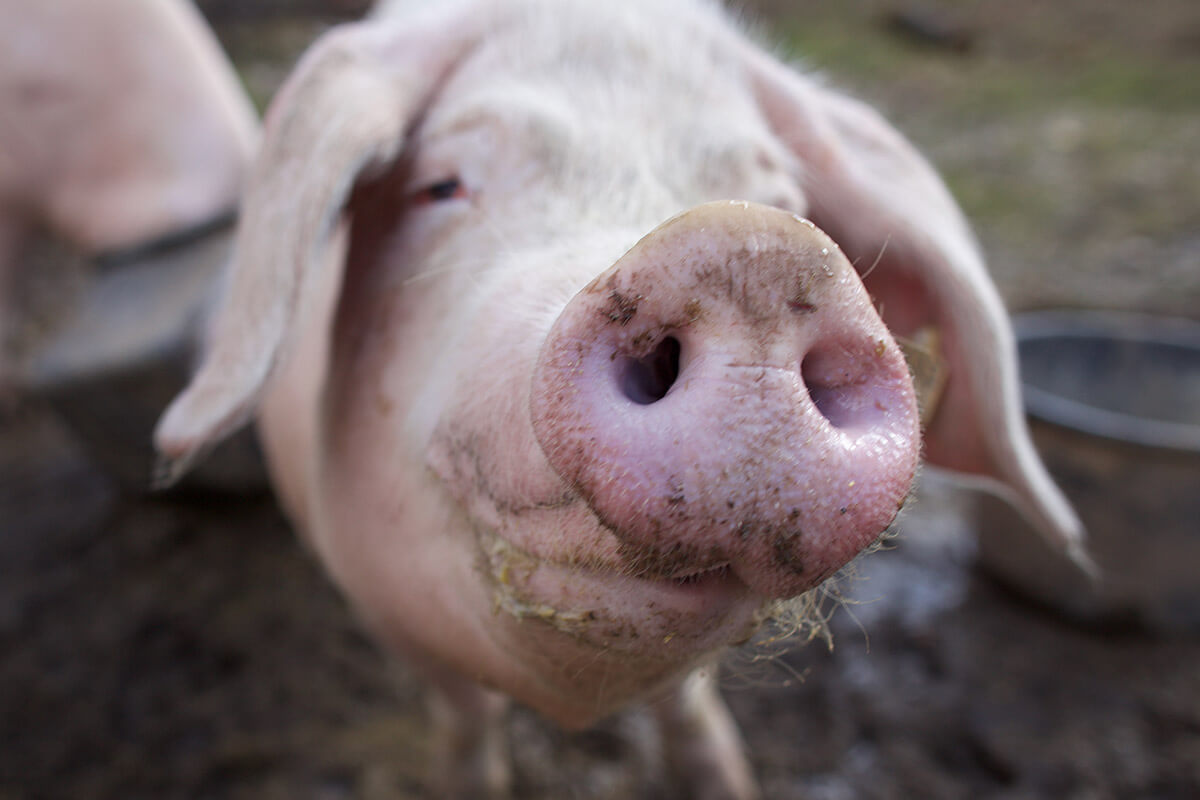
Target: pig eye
[446,189]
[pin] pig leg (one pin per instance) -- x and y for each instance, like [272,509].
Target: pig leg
[470,756]
[701,743]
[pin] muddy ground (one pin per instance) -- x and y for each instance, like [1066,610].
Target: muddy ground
[163,647]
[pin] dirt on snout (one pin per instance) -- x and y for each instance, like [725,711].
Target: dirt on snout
[188,646]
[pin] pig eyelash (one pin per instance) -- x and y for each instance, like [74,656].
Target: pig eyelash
[450,188]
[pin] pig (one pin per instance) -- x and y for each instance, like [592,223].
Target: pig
[121,123]
[550,315]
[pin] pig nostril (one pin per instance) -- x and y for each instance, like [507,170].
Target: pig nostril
[838,397]
[829,401]
[647,379]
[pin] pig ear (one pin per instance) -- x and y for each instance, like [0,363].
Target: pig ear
[343,113]
[879,199]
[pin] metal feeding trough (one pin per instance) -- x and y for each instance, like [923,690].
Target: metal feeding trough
[1114,406]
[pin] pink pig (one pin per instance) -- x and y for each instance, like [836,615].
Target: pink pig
[549,314]
[121,121]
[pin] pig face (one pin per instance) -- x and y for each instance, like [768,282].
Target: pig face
[575,383]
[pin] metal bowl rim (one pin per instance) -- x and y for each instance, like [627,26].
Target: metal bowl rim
[1131,327]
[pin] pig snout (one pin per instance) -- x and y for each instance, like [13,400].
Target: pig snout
[725,397]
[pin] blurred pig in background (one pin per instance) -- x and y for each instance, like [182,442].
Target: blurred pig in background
[125,134]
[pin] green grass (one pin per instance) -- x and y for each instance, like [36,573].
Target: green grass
[864,54]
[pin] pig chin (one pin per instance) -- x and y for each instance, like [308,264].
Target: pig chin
[614,606]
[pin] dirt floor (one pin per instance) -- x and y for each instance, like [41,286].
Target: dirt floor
[187,647]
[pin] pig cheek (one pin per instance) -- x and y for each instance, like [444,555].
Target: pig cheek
[481,445]
[495,479]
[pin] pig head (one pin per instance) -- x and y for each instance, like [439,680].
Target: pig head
[550,316]
[121,122]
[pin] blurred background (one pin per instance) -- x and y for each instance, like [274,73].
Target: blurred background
[186,646]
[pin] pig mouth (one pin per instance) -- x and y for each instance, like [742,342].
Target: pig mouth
[612,607]
[702,577]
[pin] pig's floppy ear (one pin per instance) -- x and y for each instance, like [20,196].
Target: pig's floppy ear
[343,113]
[879,199]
